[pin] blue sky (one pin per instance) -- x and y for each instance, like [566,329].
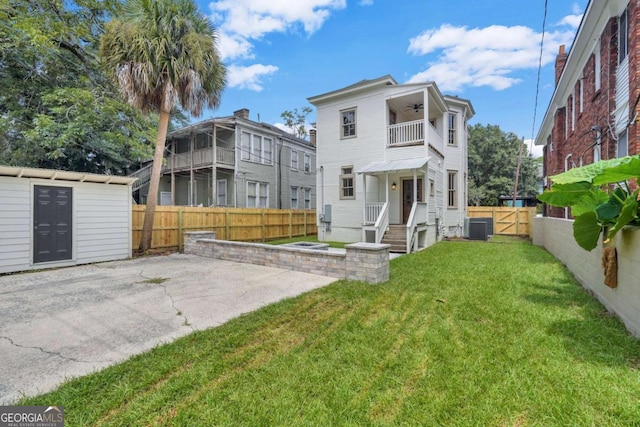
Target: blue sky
[280,52]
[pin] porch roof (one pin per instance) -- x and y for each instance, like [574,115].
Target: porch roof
[394,165]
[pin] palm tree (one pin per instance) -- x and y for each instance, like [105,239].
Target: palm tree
[163,52]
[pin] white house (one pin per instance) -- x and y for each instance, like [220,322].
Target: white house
[52,218]
[392,163]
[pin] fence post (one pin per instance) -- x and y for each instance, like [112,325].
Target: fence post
[305,223]
[180,241]
[227,229]
[264,226]
[290,223]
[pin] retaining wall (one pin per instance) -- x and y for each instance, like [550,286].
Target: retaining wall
[556,235]
[366,262]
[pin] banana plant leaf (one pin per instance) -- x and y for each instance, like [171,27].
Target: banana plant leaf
[602,172]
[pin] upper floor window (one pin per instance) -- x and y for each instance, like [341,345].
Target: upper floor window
[598,65]
[623,35]
[348,123]
[347,183]
[294,159]
[256,148]
[307,162]
[452,129]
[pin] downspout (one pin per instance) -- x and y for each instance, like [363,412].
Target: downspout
[279,171]
[566,168]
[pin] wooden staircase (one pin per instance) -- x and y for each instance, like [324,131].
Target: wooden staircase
[396,236]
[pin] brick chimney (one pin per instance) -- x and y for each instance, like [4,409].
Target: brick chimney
[561,59]
[243,113]
[312,137]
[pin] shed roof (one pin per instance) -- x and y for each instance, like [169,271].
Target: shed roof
[394,165]
[58,175]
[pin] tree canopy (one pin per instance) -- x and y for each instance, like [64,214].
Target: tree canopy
[493,158]
[161,53]
[296,121]
[57,109]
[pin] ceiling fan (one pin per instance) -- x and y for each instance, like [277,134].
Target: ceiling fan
[415,107]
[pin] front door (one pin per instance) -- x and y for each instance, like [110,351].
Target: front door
[52,216]
[407,197]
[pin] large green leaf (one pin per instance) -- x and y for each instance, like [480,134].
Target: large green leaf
[609,211]
[602,172]
[586,230]
[628,214]
[583,194]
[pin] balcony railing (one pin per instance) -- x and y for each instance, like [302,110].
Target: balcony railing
[407,133]
[204,157]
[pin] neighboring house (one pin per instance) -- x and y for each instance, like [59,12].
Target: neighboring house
[53,218]
[594,110]
[392,163]
[234,161]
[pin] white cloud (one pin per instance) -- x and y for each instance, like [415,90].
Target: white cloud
[249,77]
[241,23]
[245,21]
[535,150]
[366,2]
[483,56]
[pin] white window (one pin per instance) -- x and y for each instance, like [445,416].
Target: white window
[257,194]
[294,159]
[452,129]
[573,113]
[598,65]
[307,198]
[246,146]
[348,123]
[256,148]
[294,197]
[452,199]
[623,144]
[623,35]
[263,201]
[307,162]
[347,183]
[221,192]
[267,156]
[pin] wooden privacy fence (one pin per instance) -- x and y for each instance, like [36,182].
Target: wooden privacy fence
[238,224]
[506,220]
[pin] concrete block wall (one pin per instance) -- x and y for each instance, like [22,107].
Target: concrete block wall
[556,235]
[367,262]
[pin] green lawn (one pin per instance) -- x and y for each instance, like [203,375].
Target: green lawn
[464,334]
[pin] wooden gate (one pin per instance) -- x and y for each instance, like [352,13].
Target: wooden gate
[506,220]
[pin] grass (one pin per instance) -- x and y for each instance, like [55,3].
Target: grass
[310,238]
[464,334]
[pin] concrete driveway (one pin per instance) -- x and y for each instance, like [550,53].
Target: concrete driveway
[64,323]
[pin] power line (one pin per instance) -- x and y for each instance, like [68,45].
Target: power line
[535,107]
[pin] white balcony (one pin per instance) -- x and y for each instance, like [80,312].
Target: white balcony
[199,158]
[406,133]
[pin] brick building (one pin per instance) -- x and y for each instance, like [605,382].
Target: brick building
[593,114]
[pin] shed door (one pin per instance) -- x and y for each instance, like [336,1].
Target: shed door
[52,218]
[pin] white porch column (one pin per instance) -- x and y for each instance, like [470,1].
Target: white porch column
[386,185]
[415,186]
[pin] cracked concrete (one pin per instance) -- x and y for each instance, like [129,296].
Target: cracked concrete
[59,324]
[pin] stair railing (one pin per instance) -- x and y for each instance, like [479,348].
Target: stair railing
[417,217]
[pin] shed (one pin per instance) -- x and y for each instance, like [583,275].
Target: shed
[51,218]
